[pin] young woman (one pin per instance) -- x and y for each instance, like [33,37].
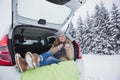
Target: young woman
[61,50]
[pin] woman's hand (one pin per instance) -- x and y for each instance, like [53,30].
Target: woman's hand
[67,46]
[60,46]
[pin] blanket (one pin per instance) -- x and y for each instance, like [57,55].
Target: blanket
[66,70]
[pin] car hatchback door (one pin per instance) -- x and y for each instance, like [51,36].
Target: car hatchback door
[52,14]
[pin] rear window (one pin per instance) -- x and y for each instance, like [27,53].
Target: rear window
[30,41]
[41,9]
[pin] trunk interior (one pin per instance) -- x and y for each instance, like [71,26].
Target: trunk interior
[33,39]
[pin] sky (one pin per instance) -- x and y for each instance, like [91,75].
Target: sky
[90,6]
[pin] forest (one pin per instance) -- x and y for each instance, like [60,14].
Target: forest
[99,33]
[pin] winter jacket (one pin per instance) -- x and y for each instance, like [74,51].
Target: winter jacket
[67,55]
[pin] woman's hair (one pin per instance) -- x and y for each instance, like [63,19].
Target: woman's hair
[56,42]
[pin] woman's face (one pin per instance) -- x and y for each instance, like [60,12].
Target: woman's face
[62,38]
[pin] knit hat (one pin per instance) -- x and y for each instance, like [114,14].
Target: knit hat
[57,34]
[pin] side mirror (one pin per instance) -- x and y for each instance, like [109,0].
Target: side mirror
[59,2]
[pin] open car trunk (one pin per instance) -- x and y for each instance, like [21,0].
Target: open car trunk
[35,39]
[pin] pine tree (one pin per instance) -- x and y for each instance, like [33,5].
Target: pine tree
[80,29]
[104,33]
[95,39]
[71,30]
[115,28]
[98,40]
[87,35]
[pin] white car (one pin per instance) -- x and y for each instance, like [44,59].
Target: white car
[33,23]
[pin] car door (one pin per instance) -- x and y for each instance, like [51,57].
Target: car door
[52,14]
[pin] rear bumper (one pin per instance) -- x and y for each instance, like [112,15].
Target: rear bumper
[9,73]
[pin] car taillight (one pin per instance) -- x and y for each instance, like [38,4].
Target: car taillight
[79,56]
[5,58]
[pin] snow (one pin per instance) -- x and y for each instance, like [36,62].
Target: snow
[102,67]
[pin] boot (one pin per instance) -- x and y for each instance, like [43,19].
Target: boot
[32,59]
[21,63]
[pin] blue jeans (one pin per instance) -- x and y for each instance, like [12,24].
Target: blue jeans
[48,58]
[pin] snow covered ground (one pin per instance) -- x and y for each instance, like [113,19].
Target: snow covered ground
[102,67]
